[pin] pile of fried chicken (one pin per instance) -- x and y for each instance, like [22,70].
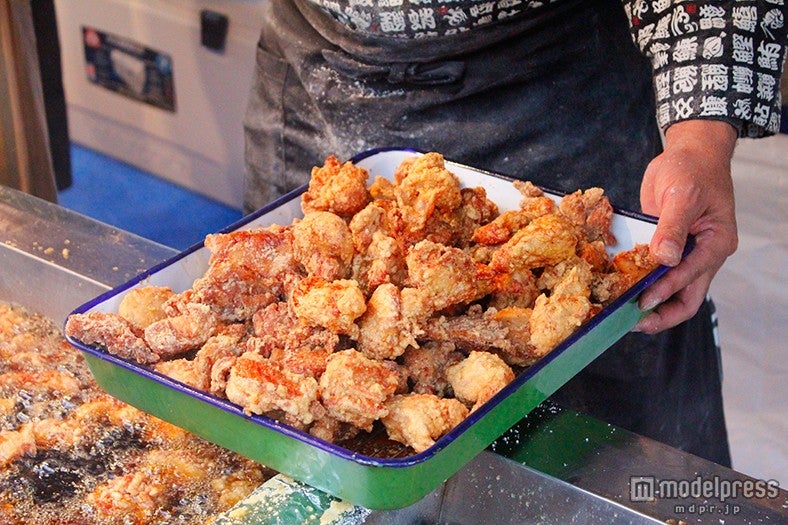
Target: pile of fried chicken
[409,301]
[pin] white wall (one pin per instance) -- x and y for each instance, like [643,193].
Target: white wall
[751,294]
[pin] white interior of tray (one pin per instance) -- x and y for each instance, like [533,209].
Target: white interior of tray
[181,273]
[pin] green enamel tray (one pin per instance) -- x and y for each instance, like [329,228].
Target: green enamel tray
[362,479]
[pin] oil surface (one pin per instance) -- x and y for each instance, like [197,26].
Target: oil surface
[71,454]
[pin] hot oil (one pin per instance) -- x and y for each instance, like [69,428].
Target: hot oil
[53,482]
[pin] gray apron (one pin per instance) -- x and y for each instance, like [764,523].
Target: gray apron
[559,96]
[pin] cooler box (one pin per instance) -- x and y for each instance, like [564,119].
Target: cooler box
[162,85]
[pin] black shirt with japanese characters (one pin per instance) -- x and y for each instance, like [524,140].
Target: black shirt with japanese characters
[712,59]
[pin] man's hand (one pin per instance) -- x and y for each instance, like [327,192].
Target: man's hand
[689,188]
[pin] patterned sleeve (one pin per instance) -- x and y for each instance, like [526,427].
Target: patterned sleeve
[712,59]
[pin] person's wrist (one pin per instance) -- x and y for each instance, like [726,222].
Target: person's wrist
[715,137]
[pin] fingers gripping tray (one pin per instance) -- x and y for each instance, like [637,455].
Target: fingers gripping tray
[371,474]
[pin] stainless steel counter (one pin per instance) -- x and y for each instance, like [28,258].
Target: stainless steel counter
[555,466]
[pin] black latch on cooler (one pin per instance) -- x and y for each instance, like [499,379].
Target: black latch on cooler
[213,29]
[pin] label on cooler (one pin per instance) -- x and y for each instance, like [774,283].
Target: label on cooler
[129,68]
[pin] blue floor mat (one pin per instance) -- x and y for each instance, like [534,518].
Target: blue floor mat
[121,195]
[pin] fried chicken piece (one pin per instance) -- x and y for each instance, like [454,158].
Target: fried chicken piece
[61,381]
[174,336]
[515,288]
[56,433]
[636,262]
[448,275]
[517,322]
[17,443]
[144,305]
[354,388]
[112,332]
[382,189]
[237,485]
[246,271]
[181,370]
[323,243]
[628,267]
[336,187]
[277,328]
[423,186]
[304,360]
[214,360]
[383,332]
[501,229]
[137,497]
[594,253]
[554,318]
[475,211]
[474,330]
[333,431]
[545,241]
[426,366]
[333,305]
[418,420]
[528,190]
[576,282]
[552,275]
[479,377]
[591,211]
[365,224]
[381,262]
[417,307]
[261,386]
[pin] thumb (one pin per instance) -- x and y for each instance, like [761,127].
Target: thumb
[673,226]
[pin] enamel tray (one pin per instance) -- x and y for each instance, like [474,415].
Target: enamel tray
[363,479]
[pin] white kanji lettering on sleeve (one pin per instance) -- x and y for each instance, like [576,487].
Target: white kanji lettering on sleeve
[742,108]
[644,35]
[712,106]
[456,17]
[712,17]
[663,114]
[768,55]
[392,21]
[713,47]
[659,50]
[682,22]
[662,85]
[742,79]
[766,85]
[506,4]
[760,114]
[684,79]
[713,77]
[682,107]
[686,49]
[639,8]
[743,49]
[745,18]
[660,5]
[421,19]
[361,19]
[772,22]
[482,9]
[663,27]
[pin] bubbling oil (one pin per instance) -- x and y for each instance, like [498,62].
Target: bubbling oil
[111,465]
